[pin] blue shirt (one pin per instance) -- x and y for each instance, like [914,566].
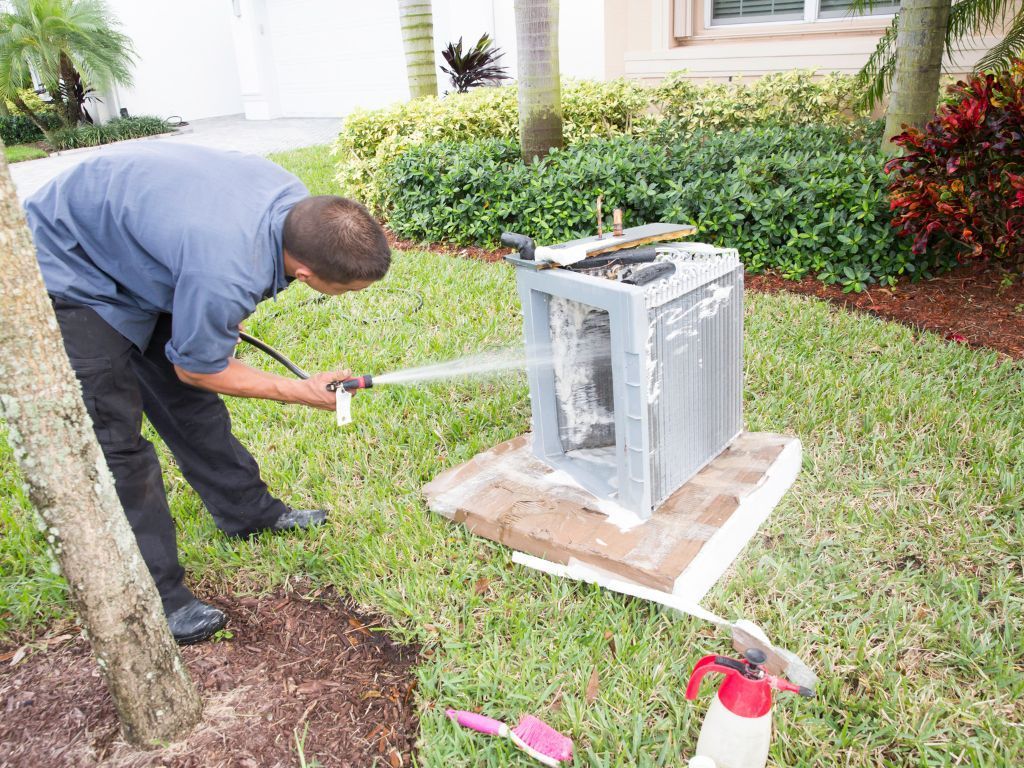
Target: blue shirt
[161,227]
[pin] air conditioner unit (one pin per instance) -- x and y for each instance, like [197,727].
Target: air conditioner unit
[637,374]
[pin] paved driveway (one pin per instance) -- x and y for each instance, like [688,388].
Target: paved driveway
[258,137]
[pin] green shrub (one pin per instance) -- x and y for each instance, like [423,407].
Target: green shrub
[19,129]
[800,200]
[370,139]
[116,130]
[780,98]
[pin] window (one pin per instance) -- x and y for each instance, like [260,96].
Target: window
[833,9]
[753,11]
[735,11]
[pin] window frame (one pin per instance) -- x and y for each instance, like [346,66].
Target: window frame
[811,15]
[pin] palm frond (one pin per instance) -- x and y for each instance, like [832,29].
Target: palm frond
[1010,47]
[875,77]
[969,18]
[858,7]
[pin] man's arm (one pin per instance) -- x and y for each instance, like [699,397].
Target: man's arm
[239,380]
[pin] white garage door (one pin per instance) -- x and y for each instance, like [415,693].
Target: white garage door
[331,56]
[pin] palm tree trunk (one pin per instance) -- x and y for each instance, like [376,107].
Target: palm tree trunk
[920,45]
[71,488]
[71,105]
[418,39]
[540,98]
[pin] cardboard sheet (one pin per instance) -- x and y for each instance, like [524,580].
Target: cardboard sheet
[507,495]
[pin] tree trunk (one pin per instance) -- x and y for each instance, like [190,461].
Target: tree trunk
[540,98]
[920,45]
[418,39]
[70,486]
[71,106]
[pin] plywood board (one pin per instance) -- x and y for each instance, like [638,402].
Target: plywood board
[508,495]
[574,251]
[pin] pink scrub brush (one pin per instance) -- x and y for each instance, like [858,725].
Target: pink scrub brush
[539,740]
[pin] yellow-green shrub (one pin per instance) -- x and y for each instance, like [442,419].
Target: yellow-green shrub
[33,101]
[779,98]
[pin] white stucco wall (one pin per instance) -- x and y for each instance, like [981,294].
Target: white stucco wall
[186,63]
[331,56]
[580,32]
[291,58]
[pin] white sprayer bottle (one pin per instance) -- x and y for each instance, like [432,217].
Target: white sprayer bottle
[737,729]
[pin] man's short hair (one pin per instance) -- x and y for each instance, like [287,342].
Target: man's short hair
[337,239]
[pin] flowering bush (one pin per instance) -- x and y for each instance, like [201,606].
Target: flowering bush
[959,188]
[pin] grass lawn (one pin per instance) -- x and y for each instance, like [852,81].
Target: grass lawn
[18,152]
[895,565]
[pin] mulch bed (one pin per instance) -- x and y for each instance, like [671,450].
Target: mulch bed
[976,304]
[465,251]
[308,667]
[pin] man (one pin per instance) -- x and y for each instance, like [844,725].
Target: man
[153,255]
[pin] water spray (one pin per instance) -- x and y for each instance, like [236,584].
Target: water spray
[473,365]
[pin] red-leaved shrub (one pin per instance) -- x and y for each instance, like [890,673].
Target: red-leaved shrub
[958,189]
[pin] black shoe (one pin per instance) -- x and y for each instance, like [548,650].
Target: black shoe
[295,519]
[195,621]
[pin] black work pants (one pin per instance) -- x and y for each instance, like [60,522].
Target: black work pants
[120,383]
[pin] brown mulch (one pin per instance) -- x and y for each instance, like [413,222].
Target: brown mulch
[311,668]
[976,304]
[465,251]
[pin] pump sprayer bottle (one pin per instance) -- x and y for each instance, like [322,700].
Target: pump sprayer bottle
[737,729]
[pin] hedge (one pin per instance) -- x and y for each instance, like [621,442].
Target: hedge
[801,200]
[19,129]
[370,139]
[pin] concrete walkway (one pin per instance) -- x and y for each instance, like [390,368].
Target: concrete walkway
[257,137]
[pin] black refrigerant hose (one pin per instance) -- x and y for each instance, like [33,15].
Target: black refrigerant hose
[266,348]
[358,382]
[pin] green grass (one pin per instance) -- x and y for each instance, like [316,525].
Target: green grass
[313,165]
[894,565]
[18,152]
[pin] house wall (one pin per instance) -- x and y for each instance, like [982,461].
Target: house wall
[186,64]
[581,33]
[315,58]
[663,36]
[310,58]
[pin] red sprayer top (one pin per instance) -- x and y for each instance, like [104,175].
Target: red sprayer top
[747,689]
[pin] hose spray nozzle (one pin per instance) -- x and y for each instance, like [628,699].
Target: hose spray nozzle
[357,382]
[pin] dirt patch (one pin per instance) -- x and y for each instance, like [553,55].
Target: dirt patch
[975,304]
[297,669]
